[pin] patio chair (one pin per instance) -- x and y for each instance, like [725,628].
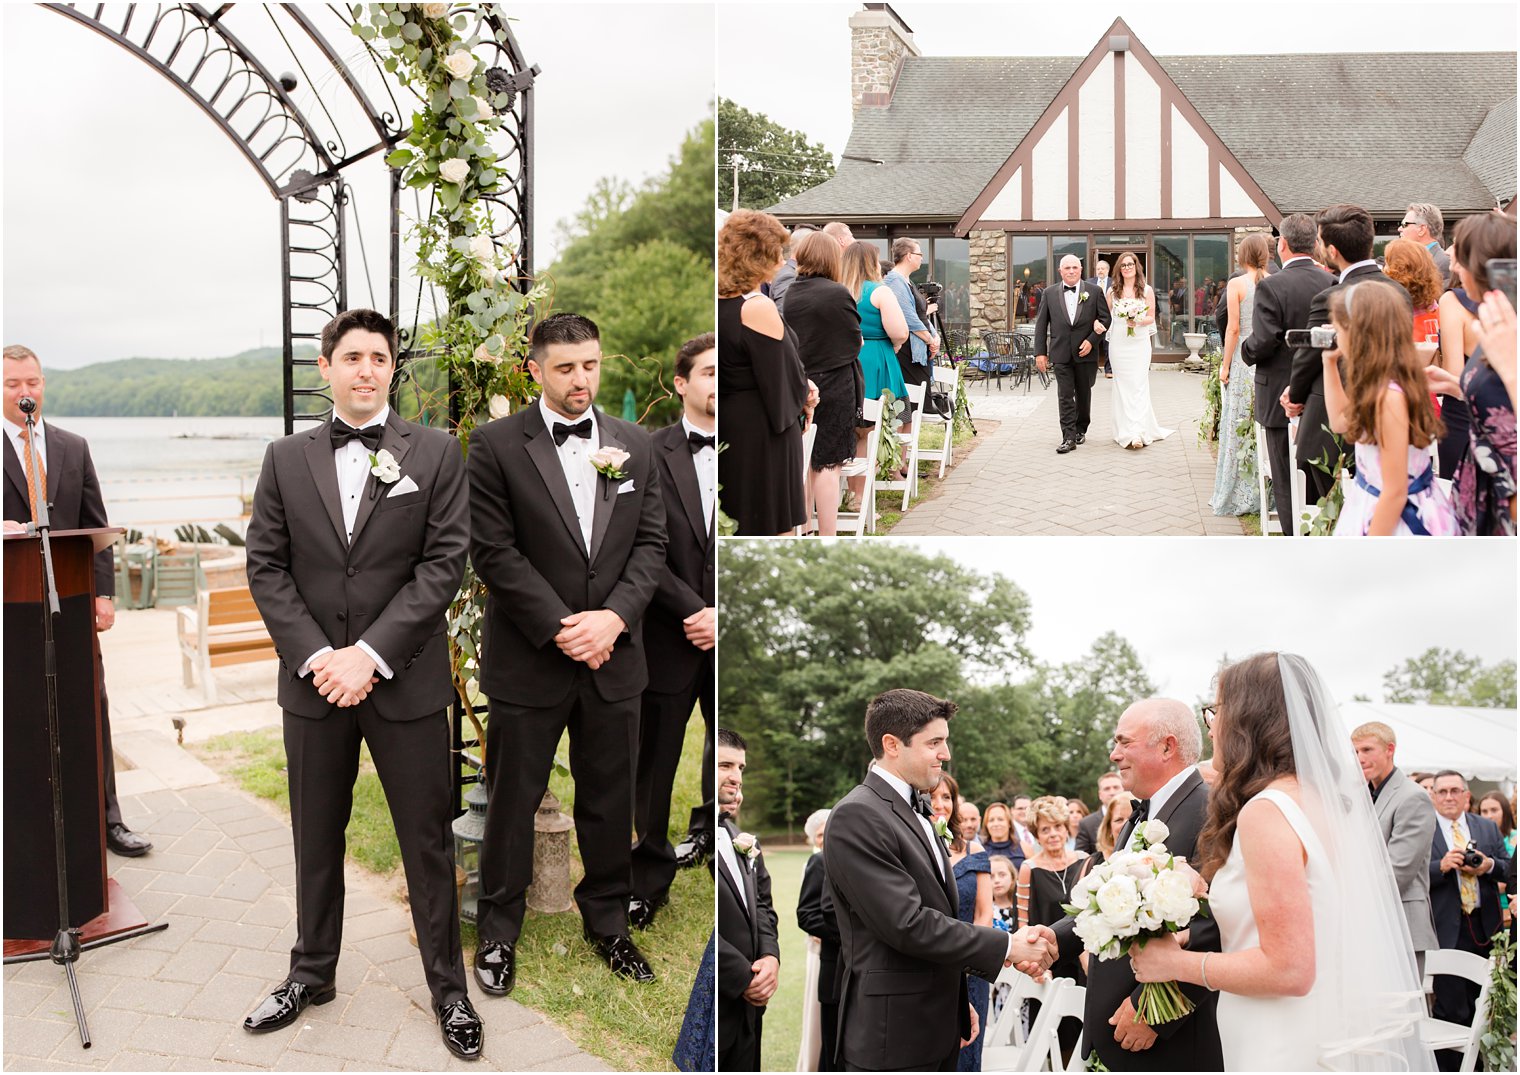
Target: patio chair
[998,359]
[177,578]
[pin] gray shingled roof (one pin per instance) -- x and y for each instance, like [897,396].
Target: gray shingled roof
[1310,129]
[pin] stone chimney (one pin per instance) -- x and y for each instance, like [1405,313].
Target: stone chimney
[879,41]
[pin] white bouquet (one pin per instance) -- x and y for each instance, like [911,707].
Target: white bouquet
[1139,893]
[1130,309]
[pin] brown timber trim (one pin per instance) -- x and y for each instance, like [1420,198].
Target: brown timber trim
[1073,157]
[1166,157]
[1159,225]
[1213,182]
[1119,162]
[1026,191]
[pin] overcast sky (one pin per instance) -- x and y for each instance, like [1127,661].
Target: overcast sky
[792,61]
[132,226]
[1355,609]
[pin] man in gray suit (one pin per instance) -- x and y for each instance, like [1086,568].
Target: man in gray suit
[1409,822]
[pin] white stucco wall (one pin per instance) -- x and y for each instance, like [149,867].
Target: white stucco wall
[1050,202]
[1142,142]
[1190,170]
[1009,202]
[1233,200]
[1095,131]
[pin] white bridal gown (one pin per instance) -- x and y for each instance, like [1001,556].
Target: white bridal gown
[1130,357]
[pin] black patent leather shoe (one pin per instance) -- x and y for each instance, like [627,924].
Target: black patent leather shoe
[641,912]
[1066,446]
[281,1007]
[496,967]
[694,850]
[462,1032]
[1081,438]
[623,956]
[125,842]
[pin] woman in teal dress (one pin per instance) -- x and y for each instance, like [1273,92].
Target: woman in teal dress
[882,326]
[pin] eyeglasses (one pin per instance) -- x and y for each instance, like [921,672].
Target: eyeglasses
[1409,223]
[1210,714]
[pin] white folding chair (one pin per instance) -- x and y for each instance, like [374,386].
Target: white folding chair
[947,379]
[1270,523]
[909,443]
[1005,1041]
[1067,1000]
[864,520]
[808,436]
[1304,513]
[1441,1034]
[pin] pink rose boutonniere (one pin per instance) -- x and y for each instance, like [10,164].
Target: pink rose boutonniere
[608,462]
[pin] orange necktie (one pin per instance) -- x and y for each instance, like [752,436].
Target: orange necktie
[36,474]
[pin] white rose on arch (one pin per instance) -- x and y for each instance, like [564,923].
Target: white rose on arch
[482,249]
[435,11]
[455,169]
[460,64]
[484,108]
[499,406]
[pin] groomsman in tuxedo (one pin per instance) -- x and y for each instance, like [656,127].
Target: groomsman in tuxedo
[568,534]
[749,955]
[1408,821]
[356,548]
[1345,240]
[679,629]
[1067,331]
[1465,871]
[1282,303]
[1155,751]
[902,995]
[1109,785]
[67,481]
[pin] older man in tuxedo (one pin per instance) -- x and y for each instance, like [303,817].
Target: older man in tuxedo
[568,535]
[1408,821]
[356,547]
[67,480]
[1465,856]
[1155,751]
[679,629]
[903,1002]
[1067,331]
[1282,302]
[1345,244]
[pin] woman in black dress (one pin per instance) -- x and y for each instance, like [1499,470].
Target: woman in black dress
[822,313]
[764,395]
[1045,882]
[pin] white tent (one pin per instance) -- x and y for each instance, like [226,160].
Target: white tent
[1478,743]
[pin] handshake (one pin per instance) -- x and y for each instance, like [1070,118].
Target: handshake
[1031,950]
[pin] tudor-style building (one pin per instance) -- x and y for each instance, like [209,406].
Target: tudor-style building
[1002,165]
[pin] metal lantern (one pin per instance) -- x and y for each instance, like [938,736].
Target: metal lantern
[469,834]
[550,891]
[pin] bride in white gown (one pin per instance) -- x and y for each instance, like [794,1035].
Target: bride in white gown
[1317,970]
[1129,353]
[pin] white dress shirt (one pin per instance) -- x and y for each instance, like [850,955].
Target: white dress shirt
[13,431]
[575,460]
[1071,301]
[353,466]
[900,786]
[730,859]
[706,462]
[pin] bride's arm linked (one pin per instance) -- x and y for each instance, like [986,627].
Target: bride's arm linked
[1278,887]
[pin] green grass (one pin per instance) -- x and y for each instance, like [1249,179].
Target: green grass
[783,1015]
[889,504]
[632,1027]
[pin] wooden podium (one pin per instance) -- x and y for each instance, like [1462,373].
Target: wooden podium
[97,906]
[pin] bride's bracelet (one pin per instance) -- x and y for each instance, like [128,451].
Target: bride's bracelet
[1203,970]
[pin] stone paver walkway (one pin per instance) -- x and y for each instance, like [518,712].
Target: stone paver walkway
[221,875]
[1015,483]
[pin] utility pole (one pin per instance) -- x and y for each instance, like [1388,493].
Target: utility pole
[736,183]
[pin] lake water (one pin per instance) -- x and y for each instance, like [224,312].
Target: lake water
[157,473]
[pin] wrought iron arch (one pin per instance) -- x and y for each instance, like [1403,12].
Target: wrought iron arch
[302,154]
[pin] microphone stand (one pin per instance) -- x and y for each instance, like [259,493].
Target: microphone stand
[65,947]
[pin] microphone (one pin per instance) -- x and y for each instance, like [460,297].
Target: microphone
[28,405]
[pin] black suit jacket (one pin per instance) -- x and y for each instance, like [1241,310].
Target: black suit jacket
[526,547]
[1087,832]
[1282,302]
[746,932]
[688,582]
[391,587]
[815,917]
[1064,337]
[1445,889]
[73,494]
[1187,1044]
[902,991]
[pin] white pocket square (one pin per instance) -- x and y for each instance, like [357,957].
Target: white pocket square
[626,487]
[405,485]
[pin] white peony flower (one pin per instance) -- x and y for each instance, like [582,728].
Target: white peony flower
[1093,931]
[485,109]
[435,11]
[383,465]
[460,64]
[482,249]
[499,406]
[1155,831]
[455,169]
[1147,919]
[1171,897]
[1118,900]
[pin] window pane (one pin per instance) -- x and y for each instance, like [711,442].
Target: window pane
[1066,244]
[1168,278]
[952,268]
[1026,275]
[1212,262]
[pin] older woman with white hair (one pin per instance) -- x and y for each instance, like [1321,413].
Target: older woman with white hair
[815,917]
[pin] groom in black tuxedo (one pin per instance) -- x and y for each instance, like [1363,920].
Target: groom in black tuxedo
[1282,303]
[904,952]
[1067,331]
[568,534]
[353,564]
[1155,751]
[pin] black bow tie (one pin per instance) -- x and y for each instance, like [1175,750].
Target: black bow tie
[1070,287]
[921,804]
[1141,812]
[563,433]
[342,433]
[697,441]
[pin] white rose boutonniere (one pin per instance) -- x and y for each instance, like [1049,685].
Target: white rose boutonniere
[460,64]
[383,466]
[746,845]
[942,830]
[1083,296]
[1152,832]
[455,170]
[608,462]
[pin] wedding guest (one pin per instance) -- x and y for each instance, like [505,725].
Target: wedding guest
[761,382]
[782,281]
[1235,489]
[915,355]
[1423,226]
[1497,336]
[1426,781]
[973,885]
[1021,830]
[1109,785]
[1384,408]
[1045,882]
[971,820]
[998,824]
[696,1044]
[823,314]
[1005,916]
[1076,810]
[1410,265]
[882,330]
[1497,809]
[820,1006]
[1456,328]
[840,233]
